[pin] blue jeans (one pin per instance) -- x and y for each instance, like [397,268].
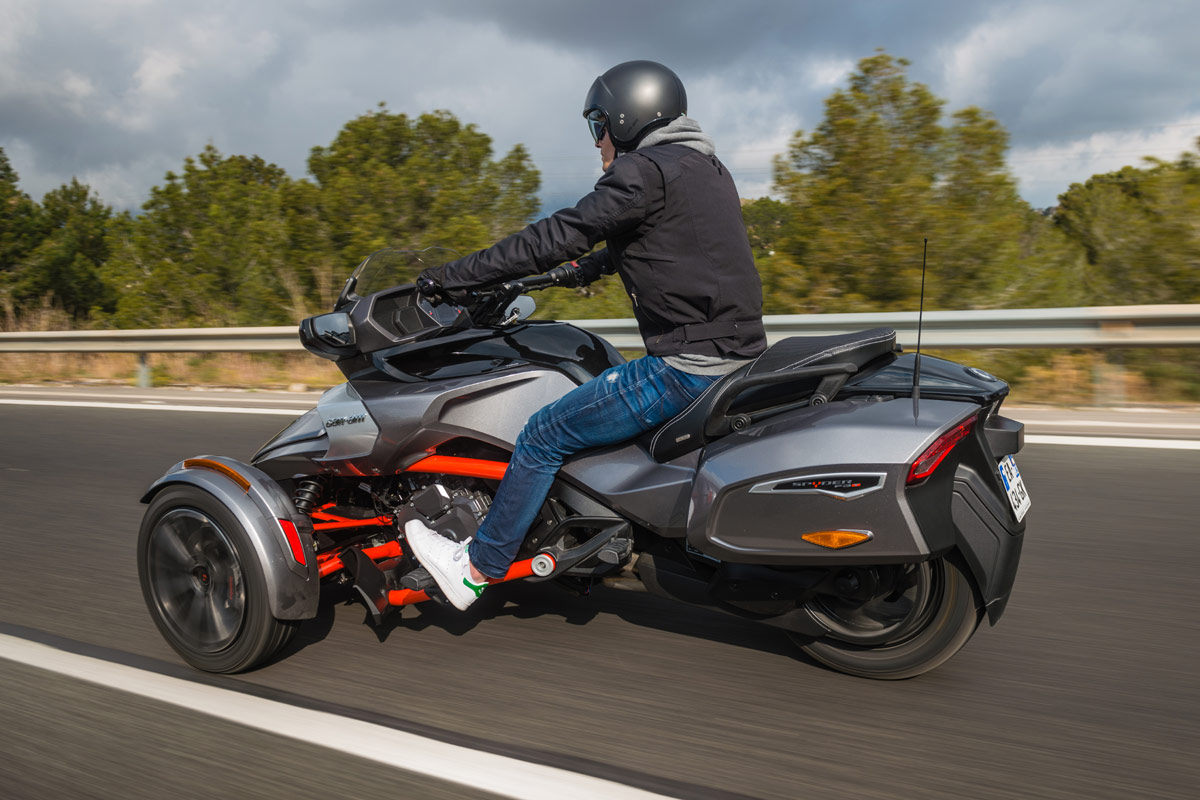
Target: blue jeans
[618,404]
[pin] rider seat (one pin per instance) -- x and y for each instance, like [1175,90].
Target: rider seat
[801,370]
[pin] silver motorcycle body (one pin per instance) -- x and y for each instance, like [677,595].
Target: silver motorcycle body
[806,490]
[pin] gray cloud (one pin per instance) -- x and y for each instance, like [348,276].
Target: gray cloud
[117,91]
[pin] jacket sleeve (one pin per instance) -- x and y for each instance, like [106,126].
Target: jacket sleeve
[616,204]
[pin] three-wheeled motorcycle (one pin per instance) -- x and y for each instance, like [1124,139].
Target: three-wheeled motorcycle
[805,491]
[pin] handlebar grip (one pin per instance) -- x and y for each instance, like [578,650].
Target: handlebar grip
[563,275]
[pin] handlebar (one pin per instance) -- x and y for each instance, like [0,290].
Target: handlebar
[487,304]
[562,275]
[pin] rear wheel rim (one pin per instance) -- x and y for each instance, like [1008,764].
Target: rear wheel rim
[197,580]
[892,616]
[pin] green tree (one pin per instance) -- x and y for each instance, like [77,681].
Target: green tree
[21,229]
[1138,230]
[65,264]
[214,246]
[767,223]
[388,180]
[880,174]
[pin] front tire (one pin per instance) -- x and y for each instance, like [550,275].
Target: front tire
[919,619]
[203,584]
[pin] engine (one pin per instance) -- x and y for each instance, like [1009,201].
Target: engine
[453,509]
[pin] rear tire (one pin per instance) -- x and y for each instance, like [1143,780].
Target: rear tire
[203,584]
[892,637]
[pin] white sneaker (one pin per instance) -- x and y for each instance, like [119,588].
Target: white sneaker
[446,561]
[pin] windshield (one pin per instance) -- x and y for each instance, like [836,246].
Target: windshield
[384,269]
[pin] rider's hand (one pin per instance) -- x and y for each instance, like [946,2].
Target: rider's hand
[428,287]
[429,284]
[591,267]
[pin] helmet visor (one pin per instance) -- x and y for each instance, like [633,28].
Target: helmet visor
[597,124]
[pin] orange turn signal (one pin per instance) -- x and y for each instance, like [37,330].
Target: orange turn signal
[217,466]
[837,539]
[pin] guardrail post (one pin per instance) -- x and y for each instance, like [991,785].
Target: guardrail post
[143,371]
[1108,381]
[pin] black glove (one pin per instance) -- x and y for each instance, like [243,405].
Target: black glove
[428,287]
[591,267]
[429,284]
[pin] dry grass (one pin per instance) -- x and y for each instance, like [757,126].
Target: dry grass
[1062,377]
[239,370]
[1068,378]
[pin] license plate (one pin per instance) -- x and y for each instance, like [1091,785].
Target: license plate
[1018,497]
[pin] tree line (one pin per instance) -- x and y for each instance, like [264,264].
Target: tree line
[235,240]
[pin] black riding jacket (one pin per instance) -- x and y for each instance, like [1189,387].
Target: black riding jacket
[672,220]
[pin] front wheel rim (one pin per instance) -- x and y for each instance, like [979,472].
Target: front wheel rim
[196,580]
[891,617]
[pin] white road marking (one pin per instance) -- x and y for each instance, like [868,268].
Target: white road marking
[1115,441]
[1086,441]
[1083,423]
[508,777]
[228,396]
[290,412]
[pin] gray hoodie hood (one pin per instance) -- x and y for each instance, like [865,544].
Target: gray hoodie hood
[681,130]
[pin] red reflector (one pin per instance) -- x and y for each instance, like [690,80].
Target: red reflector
[924,466]
[293,539]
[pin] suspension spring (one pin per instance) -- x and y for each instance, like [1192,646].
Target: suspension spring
[308,492]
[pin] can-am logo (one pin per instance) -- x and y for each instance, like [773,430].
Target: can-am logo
[350,420]
[842,485]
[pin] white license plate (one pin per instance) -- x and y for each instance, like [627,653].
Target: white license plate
[1018,496]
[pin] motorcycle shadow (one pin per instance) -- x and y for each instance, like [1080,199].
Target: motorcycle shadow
[537,600]
[313,631]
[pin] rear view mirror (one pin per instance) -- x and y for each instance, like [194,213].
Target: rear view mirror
[334,329]
[328,336]
[520,308]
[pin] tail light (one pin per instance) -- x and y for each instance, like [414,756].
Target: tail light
[924,466]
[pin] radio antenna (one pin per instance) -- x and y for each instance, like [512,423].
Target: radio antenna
[916,393]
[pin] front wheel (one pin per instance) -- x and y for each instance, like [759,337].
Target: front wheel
[203,584]
[895,622]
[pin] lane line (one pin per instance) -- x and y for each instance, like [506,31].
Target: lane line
[291,412]
[1085,441]
[1115,441]
[1083,423]
[500,775]
[119,396]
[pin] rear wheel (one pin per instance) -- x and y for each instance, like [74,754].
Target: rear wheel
[203,585]
[895,622]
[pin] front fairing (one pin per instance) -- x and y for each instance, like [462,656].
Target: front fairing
[481,351]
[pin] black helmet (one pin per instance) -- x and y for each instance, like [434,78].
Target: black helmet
[634,98]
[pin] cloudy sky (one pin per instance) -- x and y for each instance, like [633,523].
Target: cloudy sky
[117,92]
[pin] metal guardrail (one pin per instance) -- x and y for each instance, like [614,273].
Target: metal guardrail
[1099,327]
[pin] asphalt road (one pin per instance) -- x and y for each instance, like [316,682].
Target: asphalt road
[1086,688]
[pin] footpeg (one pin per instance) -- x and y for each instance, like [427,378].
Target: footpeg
[417,580]
[603,555]
[617,552]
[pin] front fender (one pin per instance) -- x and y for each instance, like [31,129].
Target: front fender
[293,589]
